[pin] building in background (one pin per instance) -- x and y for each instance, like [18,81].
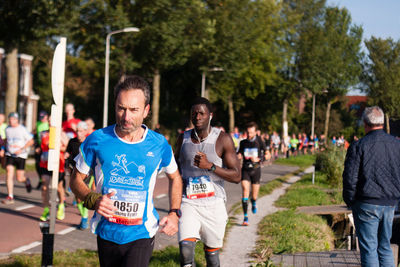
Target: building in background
[27,99]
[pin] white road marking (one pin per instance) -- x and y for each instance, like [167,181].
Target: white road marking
[26,247]
[66,231]
[24,207]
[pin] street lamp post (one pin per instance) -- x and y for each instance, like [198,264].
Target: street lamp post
[203,79]
[313,112]
[106,75]
[313,115]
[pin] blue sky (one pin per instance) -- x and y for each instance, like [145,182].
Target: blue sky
[379,18]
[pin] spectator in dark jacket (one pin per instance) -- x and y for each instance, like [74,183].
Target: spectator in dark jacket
[371,187]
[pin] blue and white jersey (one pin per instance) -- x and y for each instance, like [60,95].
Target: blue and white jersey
[129,170]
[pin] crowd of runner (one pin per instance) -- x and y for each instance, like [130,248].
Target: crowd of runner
[113,170]
[16,140]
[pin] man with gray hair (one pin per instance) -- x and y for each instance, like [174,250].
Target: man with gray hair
[371,188]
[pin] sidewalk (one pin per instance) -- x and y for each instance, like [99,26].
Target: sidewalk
[241,240]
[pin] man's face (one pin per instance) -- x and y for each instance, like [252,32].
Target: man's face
[130,110]
[200,116]
[45,119]
[13,121]
[90,124]
[69,109]
[81,134]
[251,132]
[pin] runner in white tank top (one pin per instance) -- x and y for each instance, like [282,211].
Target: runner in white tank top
[206,157]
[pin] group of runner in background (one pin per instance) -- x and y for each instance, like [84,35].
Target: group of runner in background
[15,141]
[291,145]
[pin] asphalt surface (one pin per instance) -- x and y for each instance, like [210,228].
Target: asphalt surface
[19,224]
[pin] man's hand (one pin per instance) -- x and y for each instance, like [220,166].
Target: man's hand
[169,224]
[105,206]
[201,161]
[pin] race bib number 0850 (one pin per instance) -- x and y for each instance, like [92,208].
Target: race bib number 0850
[131,206]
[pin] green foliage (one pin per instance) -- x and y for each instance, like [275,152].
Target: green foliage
[301,160]
[80,258]
[290,232]
[304,193]
[331,162]
[270,51]
[170,256]
[382,74]
[245,47]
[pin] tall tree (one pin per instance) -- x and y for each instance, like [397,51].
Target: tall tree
[341,56]
[381,75]
[168,36]
[23,22]
[246,48]
[307,42]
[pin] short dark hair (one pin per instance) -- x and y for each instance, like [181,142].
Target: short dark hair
[251,125]
[129,82]
[202,101]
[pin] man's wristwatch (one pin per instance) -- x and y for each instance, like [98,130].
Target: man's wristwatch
[212,169]
[177,211]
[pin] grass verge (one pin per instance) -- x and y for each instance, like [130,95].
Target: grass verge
[301,160]
[289,232]
[82,258]
[304,193]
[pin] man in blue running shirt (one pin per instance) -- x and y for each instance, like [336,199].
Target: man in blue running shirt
[126,158]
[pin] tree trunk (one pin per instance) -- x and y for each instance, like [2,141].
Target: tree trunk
[12,82]
[387,123]
[156,99]
[284,119]
[231,115]
[327,116]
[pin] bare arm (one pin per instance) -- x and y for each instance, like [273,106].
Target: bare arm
[104,205]
[170,222]
[77,185]
[178,148]
[232,171]
[175,190]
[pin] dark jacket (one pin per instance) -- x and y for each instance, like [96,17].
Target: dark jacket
[372,170]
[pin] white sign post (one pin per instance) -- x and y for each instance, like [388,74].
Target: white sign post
[57,84]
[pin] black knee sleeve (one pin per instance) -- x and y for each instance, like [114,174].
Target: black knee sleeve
[244,205]
[186,249]
[212,258]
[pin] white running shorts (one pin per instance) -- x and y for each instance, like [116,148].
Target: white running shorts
[206,223]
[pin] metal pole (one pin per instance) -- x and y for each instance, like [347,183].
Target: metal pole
[105,106]
[313,116]
[57,82]
[203,83]
[106,74]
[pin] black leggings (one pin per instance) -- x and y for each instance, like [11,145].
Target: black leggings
[135,254]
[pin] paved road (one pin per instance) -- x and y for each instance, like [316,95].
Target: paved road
[19,222]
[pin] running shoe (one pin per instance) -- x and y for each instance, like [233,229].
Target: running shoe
[61,212]
[254,207]
[245,221]
[28,185]
[45,214]
[8,200]
[84,224]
